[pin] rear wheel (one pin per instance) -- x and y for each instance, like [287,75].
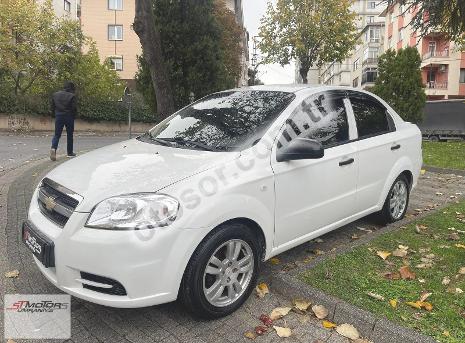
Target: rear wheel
[222,272]
[396,203]
[434,138]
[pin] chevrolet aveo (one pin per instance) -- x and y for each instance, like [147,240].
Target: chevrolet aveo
[191,209]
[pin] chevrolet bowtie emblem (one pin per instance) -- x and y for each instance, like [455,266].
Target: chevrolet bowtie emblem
[50,203]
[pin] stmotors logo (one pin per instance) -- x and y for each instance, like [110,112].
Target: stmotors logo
[37,307]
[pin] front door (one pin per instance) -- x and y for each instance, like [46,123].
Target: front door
[312,194]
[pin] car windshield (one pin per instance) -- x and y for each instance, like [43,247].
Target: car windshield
[226,121]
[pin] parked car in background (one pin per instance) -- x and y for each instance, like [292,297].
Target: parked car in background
[192,208]
[444,120]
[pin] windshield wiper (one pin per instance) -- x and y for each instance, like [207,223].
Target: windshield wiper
[160,141]
[183,141]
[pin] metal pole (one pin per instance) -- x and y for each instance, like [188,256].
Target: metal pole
[129,116]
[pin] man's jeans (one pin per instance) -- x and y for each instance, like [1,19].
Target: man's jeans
[63,120]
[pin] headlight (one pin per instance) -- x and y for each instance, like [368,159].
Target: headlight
[134,212]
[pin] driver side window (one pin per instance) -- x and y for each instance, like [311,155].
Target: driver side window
[321,117]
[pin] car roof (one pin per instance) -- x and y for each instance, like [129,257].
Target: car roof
[294,88]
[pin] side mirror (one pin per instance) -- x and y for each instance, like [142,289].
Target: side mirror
[300,149]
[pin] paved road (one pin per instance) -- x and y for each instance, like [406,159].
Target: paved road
[16,149]
[170,323]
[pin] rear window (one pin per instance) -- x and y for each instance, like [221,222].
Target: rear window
[371,116]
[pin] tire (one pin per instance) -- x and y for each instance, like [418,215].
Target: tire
[197,282]
[434,138]
[388,215]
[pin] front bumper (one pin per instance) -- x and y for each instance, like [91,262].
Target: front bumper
[149,264]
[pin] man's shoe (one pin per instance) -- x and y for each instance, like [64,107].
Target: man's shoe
[71,155]
[53,154]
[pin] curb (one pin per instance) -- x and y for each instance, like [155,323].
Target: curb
[444,170]
[374,328]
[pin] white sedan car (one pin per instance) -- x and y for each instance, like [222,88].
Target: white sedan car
[190,209]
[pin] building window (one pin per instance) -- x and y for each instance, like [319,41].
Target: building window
[373,35]
[401,34]
[67,6]
[369,75]
[371,5]
[371,19]
[116,63]
[462,75]
[355,83]
[356,64]
[115,32]
[116,5]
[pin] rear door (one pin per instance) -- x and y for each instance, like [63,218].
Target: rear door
[312,194]
[377,146]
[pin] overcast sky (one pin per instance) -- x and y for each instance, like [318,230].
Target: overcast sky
[273,73]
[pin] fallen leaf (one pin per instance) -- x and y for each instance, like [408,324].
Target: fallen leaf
[420,304]
[301,305]
[422,172]
[260,330]
[426,305]
[320,311]
[266,320]
[446,280]
[391,275]
[462,271]
[249,335]
[406,273]
[282,332]
[361,340]
[393,303]
[348,331]
[458,291]
[363,229]
[454,236]
[415,304]
[328,325]
[446,333]
[12,274]
[262,290]
[279,312]
[317,252]
[421,280]
[460,246]
[318,240]
[400,253]
[424,296]
[376,296]
[383,254]
[275,261]
[354,237]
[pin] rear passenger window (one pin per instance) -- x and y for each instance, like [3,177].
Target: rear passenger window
[321,117]
[371,116]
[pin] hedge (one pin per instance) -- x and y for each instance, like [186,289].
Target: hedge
[88,108]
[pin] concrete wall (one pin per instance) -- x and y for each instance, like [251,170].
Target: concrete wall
[17,122]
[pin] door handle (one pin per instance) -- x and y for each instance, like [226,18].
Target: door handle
[346,162]
[395,147]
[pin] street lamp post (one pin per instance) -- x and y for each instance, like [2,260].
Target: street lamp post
[128,97]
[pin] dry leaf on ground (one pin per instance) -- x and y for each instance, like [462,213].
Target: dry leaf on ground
[318,240]
[406,273]
[301,305]
[400,252]
[458,291]
[279,312]
[266,320]
[12,274]
[424,296]
[262,290]
[454,236]
[320,311]
[446,280]
[282,332]
[275,261]
[328,325]
[460,246]
[260,330]
[393,303]
[348,331]
[391,275]
[383,254]
[462,271]
[375,296]
[249,335]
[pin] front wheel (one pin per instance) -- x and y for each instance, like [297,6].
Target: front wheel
[222,272]
[396,203]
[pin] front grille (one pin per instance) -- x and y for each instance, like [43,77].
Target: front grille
[115,289]
[56,202]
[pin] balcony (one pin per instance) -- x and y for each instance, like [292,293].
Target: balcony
[436,85]
[435,54]
[370,60]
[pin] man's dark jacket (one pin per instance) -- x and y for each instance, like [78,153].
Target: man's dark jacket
[64,102]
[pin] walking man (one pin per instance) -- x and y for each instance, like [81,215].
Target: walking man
[64,106]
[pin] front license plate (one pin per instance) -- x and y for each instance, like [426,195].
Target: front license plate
[39,244]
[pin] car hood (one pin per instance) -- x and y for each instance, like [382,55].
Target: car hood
[131,167]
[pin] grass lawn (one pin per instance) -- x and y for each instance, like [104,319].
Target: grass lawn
[444,154]
[352,275]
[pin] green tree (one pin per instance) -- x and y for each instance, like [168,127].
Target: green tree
[313,31]
[444,15]
[201,45]
[400,84]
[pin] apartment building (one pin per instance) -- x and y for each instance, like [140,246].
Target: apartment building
[442,66]
[360,67]
[64,8]
[109,23]
[236,7]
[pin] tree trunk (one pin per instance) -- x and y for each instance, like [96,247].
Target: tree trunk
[149,36]
[304,68]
